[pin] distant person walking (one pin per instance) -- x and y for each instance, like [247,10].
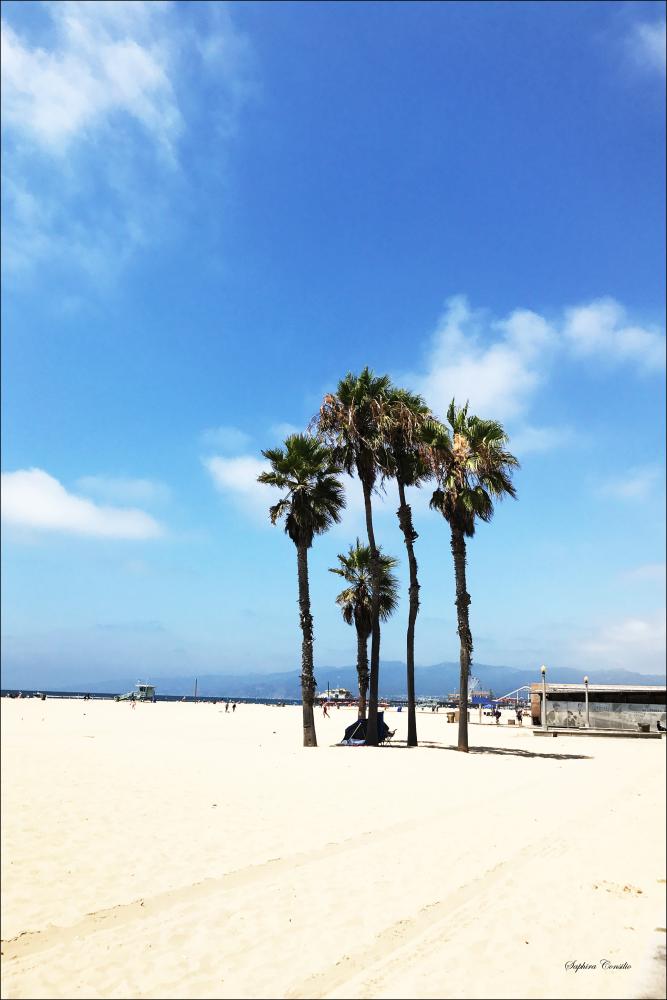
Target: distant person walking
[519,716]
[226,706]
[325,710]
[497,715]
[234,707]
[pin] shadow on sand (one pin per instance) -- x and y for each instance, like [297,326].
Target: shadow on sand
[501,751]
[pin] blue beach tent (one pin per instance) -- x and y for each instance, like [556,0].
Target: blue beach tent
[355,735]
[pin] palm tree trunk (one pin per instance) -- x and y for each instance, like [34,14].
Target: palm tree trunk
[410,535]
[465,636]
[372,726]
[307,677]
[362,668]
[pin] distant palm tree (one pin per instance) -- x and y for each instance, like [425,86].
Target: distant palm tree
[314,500]
[473,468]
[353,421]
[408,466]
[356,603]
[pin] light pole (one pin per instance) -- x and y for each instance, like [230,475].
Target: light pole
[588,718]
[544,696]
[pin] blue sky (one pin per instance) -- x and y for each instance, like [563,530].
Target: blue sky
[211,212]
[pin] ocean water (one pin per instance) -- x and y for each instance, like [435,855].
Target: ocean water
[103,696]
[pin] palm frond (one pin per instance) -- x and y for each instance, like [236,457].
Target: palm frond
[307,470]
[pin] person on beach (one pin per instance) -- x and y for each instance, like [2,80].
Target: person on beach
[234,707]
[325,709]
[497,715]
[226,706]
[519,716]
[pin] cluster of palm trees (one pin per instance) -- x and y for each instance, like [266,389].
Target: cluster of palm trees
[377,431]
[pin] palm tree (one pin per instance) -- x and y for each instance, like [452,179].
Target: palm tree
[314,500]
[473,468]
[353,421]
[356,602]
[407,464]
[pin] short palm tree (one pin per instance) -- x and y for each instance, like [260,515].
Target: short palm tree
[473,469]
[314,500]
[407,464]
[356,602]
[353,421]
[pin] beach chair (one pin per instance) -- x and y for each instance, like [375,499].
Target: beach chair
[388,736]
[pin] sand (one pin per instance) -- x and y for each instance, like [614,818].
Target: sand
[173,850]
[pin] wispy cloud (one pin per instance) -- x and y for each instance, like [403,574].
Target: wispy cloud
[647,573]
[120,490]
[631,644]
[92,124]
[533,440]
[282,431]
[499,364]
[226,438]
[108,59]
[236,478]
[601,330]
[632,484]
[647,42]
[33,499]
[496,364]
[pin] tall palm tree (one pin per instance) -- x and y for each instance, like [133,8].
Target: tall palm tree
[356,601]
[353,421]
[407,464]
[314,500]
[473,468]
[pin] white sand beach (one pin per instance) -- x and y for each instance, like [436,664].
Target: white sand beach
[175,850]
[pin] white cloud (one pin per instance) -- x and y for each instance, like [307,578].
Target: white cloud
[33,499]
[499,364]
[600,329]
[498,374]
[120,490]
[93,122]
[632,484]
[228,439]
[529,440]
[648,42]
[236,478]
[648,573]
[631,644]
[284,430]
[107,60]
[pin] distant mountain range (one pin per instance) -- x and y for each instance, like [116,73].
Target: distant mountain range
[434,681]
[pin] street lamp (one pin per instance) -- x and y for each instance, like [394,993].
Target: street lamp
[544,696]
[588,718]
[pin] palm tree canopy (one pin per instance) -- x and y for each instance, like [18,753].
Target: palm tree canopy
[408,413]
[354,420]
[314,499]
[472,465]
[356,568]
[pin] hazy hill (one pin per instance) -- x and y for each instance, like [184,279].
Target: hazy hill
[437,680]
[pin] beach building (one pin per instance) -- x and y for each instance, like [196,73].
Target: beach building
[142,692]
[335,694]
[621,707]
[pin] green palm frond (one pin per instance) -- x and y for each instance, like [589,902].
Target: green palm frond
[306,469]
[354,421]
[356,568]
[471,464]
